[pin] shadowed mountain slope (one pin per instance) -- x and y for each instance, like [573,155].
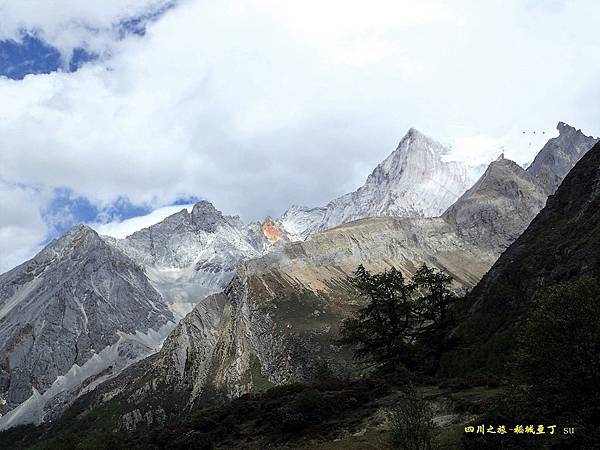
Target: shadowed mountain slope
[561,243]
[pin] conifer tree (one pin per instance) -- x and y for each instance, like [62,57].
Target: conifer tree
[398,317]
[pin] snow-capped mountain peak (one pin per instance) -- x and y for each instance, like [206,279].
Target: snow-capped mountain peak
[415,180]
[416,155]
[414,140]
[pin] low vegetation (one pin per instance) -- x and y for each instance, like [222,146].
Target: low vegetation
[412,426]
[555,371]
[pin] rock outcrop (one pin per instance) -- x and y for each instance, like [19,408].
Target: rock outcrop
[498,208]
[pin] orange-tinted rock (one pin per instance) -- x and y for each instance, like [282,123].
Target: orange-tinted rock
[270,230]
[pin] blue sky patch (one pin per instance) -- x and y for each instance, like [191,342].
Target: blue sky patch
[137,25]
[67,209]
[32,55]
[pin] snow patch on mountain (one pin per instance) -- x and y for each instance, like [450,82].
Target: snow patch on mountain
[78,380]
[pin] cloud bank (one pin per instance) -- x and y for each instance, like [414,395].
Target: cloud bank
[255,105]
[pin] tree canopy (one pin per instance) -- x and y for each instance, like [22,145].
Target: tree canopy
[402,320]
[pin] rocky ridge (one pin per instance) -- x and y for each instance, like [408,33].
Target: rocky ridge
[561,244]
[558,157]
[190,255]
[499,206]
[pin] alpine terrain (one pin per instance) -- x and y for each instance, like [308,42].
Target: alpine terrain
[247,306]
[277,320]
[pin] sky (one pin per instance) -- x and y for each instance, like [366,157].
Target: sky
[118,112]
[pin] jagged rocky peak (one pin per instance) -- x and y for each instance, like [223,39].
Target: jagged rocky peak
[197,239]
[79,234]
[501,164]
[206,217]
[81,229]
[499,206]
[559,155]
[79,240]
[415,140]
[413,181]
[415,152]
[178,216]
[77,309]
[417,159]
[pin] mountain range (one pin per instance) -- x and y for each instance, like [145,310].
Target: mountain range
[248,305]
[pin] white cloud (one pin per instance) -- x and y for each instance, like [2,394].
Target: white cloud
[122,229]
[517,144]
[318,21]
[67,24]
[22,229]
[257,105]
[476,149]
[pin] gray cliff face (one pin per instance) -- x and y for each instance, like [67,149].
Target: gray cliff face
[498,208]
[558,157]
[74,299]
[190,349]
